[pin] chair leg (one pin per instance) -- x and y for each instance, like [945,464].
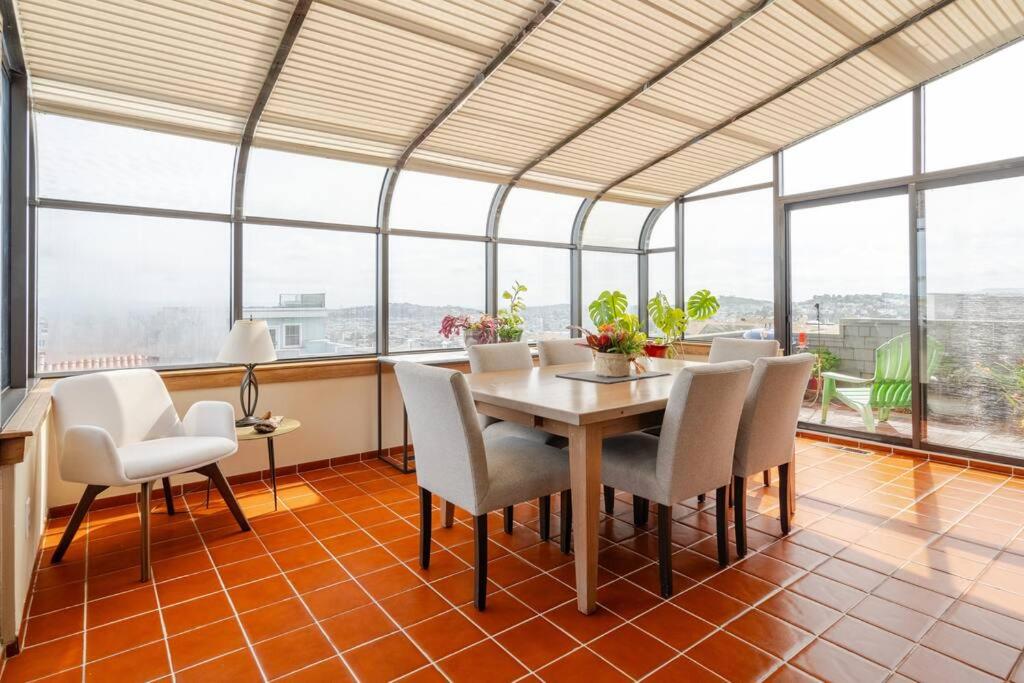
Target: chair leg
[722,527]
[449,515]
[739,512]
[480,561]
[544,503]
[426,521]
[224,488]
[508,519]
[701,497]
[665,549]
[145,501]
[868,416]
[609,500]
[641,511]
[91,491]
[168,497]
[565,522]
[784,497]
[766,477]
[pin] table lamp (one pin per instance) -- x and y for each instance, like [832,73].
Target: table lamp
[247,344]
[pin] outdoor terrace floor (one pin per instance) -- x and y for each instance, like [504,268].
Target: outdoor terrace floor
[898,569]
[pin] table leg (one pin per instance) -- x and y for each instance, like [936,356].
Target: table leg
[380,415]
[585,475]
[273,468]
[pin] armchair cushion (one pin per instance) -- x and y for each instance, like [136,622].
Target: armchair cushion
[519,470]
[156,458]
[629,463]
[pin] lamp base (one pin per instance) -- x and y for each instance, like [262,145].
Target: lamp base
[247,421]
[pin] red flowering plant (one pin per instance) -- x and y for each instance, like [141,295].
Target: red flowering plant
[485,328]
[617,331]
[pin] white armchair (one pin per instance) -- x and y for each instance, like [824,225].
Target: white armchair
[120,428]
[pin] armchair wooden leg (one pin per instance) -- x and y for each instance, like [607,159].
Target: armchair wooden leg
[784,511]
[641,511]
[609,500]
[224,488]
[544,522]
[508,519]
[91,491]
[480,561]
[739,511]
[449,515]
[766,476]
[426,521]
[145,501]
[722,526]
[168,497]
[665,549]
[565,522]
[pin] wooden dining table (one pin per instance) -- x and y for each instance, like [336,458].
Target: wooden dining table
[586,413]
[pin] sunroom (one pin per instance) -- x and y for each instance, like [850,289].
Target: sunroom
[717,306]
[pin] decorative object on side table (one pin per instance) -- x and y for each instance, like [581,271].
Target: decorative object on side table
[673,321]
[267,423]
[619,342]
[248,344]
[283,426]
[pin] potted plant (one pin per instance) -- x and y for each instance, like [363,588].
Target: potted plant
[510,320]
[825,361]
[619,342]
[483,330]
[673,321]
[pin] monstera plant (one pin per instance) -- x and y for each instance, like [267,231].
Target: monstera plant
[673,321]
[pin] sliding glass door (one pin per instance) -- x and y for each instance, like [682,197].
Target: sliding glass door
[850,305]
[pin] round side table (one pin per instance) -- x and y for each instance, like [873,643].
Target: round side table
[287,426]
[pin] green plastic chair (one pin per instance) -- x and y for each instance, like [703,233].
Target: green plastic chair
[889,388]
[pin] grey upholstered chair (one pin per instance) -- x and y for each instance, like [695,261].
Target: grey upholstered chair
[693,453]
[724,349]
[767,430]
[462,464]
[513,356]
[563,352]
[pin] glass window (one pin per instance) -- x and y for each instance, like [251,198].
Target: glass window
[121,291]
[98,162]
[729,251]
[973,320]
[425,201]
[615,224]
[850,297]
[605,270]
[755,174]
[871,146]
[5,231]
[429,279]
[974,114]
[663,234]
[303,187]
[545,272]
[315,288]
[661,274]
[536,215]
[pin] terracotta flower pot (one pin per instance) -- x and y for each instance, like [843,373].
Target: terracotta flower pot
[657,350]
[611,364]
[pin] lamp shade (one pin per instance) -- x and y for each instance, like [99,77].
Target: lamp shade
[248,343]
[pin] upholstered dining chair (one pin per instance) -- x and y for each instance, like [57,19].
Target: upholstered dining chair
[478,470]
[693,453]
[767,430]
[563,352]
[120,428]
[724,349]
[512,356]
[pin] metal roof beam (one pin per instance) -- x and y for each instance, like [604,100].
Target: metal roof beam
[681,61]
[863,47]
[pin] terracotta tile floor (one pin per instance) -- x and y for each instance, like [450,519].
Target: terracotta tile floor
[897,569]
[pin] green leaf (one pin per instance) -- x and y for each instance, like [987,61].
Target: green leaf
[701,305]
[608,307]
[506,294]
